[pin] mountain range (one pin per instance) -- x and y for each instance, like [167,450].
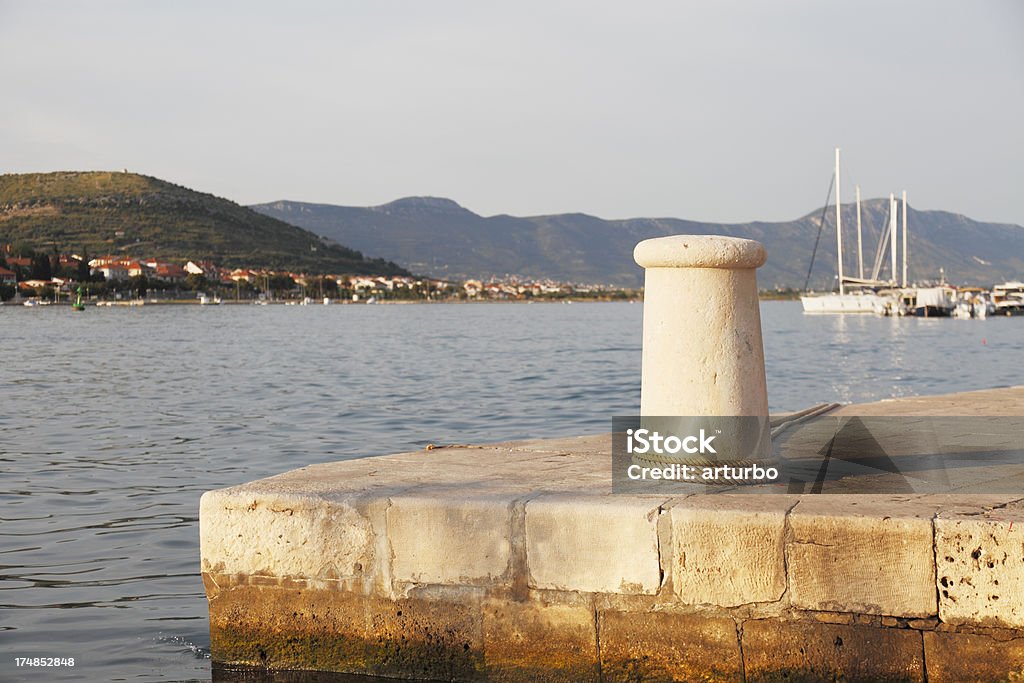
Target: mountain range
[438,237]
[135,215]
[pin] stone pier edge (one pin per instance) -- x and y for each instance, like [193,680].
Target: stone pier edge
[814,585]
[514,562]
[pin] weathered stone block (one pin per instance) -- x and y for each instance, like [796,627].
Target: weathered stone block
[593,544]
[955,657]
[862,555]
[663,646]
[776,650]
[421,638]
[449,539]
[282,535]
[534,641]
[923,624]
[728,550]
[980,568]
[834,617]
[280,628]
[277,628]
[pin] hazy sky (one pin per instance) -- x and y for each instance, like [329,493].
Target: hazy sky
[722,111]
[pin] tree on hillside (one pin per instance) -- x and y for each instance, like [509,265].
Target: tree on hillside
[281,283]
[139,284]
[41,268]
[22,249]
[197,282]
[83,272]
[323,286]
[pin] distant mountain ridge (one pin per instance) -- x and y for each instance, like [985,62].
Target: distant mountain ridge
[438,237]
[127,214]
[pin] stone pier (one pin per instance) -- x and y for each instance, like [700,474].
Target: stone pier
[515,562]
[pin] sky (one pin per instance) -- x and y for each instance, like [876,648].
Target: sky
[714,111]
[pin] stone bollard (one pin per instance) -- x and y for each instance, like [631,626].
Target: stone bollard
[702,348]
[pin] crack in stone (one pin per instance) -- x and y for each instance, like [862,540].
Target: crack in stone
[787,538]
[518,568]
[743,659]
[814,543]
[924,660]
[657,537]
[935,569]
[213,580]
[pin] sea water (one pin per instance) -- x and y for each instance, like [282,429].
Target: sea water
[114,421]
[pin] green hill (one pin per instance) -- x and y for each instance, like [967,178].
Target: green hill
[135,215]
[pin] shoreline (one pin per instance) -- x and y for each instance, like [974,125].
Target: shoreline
[134,303]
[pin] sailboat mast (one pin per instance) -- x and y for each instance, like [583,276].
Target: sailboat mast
[860,247]
[839,230]
[904,238]
[892,234]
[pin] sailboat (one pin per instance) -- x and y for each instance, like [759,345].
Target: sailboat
[860,300]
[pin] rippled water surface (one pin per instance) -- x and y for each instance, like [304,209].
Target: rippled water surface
[114,421]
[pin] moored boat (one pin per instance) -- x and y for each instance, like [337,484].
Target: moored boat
[864,297]
[1008,298]
[935,302]
[859,302]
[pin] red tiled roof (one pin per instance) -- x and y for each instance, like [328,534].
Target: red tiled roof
[170,270]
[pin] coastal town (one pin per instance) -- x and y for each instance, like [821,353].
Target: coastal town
[32,278]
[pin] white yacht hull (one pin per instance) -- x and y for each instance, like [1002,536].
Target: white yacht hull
[843,303]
